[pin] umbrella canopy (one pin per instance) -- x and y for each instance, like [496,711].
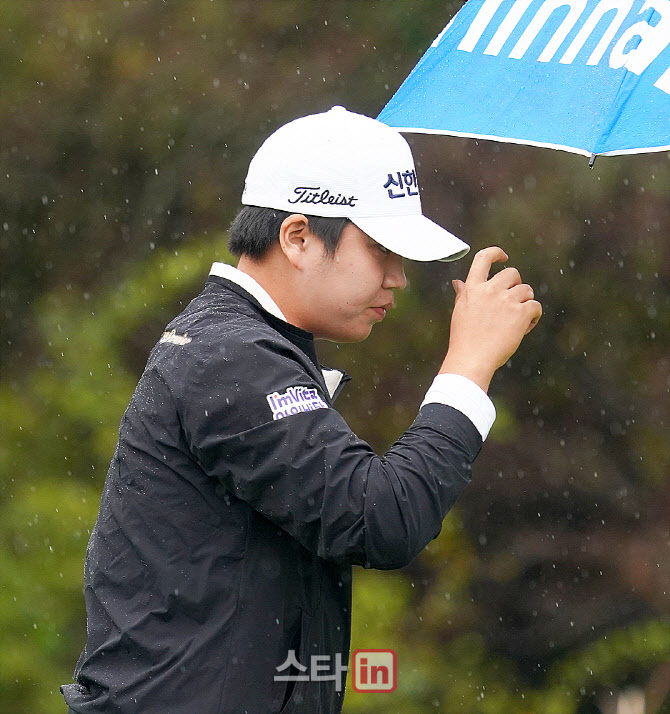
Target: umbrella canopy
[586,76]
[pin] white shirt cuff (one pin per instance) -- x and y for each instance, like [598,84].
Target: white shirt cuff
[463,394]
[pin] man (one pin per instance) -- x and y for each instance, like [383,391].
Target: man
[238,498]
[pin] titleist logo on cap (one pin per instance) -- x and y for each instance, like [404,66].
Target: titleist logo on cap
[315,194]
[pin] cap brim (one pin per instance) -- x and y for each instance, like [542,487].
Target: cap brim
[413,237]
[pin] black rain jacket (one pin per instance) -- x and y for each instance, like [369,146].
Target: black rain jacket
[235,505]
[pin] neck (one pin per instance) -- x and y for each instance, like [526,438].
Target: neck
[273,274]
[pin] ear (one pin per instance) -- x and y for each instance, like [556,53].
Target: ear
[294,239]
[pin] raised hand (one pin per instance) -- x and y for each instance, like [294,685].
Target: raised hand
[490,318]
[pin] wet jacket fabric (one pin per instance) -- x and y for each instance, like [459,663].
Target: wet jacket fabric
[235,505]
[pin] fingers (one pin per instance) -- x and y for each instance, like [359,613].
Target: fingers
[507,278]
[523,294]
[535,309]
[482,262]
[522,291]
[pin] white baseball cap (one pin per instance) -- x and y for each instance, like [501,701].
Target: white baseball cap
[345,165]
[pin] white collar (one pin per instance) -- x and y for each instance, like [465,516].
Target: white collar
[332,377]
[223,270]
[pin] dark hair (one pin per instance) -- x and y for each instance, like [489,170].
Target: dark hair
[256,229]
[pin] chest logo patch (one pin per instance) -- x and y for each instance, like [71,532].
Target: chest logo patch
[293,401]
[174,339]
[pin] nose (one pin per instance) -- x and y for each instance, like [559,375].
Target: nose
[395,273]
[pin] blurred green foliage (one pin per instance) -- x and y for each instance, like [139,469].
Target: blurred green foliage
[126,130]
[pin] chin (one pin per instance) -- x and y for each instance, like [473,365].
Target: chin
[348,335]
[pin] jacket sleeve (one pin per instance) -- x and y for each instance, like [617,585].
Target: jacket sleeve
[309,473]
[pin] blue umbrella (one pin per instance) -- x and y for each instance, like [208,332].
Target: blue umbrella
[586,76]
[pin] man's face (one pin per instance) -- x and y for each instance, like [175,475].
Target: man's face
[352,290]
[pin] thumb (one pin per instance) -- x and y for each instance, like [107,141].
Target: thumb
[458,286]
